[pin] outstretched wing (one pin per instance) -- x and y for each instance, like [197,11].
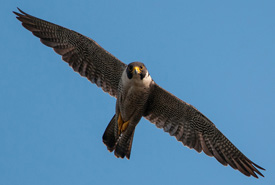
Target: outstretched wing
[83,54]
[194,130]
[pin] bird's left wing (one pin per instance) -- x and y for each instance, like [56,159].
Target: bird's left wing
[83,54]
[195,130]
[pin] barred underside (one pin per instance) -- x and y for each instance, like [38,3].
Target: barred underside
[83,54]
[195,131]
[176,117]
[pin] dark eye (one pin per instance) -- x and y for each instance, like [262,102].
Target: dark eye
[130,68]
[141,67]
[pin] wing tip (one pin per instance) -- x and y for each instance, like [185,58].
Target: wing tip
[22,17]
[18,14]
[21,11]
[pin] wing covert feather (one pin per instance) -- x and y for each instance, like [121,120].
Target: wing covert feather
[83,54]
[195,130]
[175,116]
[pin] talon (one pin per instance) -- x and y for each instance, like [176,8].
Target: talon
[122,126]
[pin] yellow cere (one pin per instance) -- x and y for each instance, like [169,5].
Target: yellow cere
[137,69]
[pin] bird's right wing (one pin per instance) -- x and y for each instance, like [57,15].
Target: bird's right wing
[83,54]
[195,130]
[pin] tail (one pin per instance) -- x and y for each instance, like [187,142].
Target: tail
[110,137]
[121,144]
[124,145]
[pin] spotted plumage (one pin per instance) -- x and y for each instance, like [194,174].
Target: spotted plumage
[137,96]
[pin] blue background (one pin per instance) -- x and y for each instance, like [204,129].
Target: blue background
[215,55]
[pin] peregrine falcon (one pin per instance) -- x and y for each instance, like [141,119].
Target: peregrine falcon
[137,96]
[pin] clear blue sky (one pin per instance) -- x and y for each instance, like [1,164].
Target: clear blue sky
[217,56]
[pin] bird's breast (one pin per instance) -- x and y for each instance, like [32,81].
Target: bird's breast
[132,100]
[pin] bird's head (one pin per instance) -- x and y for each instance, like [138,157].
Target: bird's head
[137,73]
[136,70]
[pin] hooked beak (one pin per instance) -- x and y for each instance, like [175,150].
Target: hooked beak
[136,70]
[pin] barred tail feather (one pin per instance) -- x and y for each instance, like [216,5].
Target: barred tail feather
[124,146]
[109,137]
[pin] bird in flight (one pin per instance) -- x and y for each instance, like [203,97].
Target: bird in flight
[137,96]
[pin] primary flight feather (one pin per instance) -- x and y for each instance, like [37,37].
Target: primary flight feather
[137,96]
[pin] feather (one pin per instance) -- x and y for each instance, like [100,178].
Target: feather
[83,54]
